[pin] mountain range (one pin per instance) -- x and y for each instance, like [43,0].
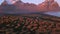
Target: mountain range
[21,7]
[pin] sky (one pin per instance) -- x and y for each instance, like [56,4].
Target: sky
[33,1]
[38,1]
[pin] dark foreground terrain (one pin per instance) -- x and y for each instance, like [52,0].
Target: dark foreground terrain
[42,24]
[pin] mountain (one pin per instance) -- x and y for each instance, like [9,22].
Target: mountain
[21,7]
[25,6]
[53,6]
[4,3]
[18,7]
[5,7]
[48,5]
[43,6]
[2,6]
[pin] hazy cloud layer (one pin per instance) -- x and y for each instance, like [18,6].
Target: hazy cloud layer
[11,1]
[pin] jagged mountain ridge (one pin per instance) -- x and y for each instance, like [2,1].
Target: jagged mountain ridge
[18,7]
[21,7]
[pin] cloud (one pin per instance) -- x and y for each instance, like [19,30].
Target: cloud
[11,1]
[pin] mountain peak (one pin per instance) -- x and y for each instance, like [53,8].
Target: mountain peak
[48,5]
[4,3]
